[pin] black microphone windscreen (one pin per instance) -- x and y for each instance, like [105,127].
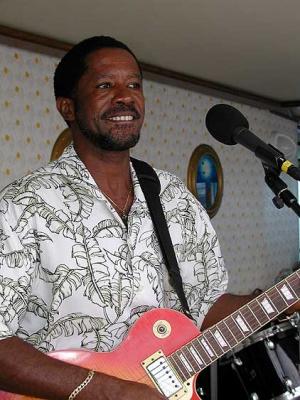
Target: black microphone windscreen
[222,120]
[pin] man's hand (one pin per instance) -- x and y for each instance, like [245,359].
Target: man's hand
[25,370]
[294,308]
[112,388]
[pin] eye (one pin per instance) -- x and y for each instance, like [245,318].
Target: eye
[104,85]
[134,85]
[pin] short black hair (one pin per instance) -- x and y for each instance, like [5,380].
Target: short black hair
[73,64]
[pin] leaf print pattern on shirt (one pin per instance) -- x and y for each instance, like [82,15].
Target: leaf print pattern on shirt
[71,275]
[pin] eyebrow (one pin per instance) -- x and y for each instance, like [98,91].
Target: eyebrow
[132,75]
[135,75]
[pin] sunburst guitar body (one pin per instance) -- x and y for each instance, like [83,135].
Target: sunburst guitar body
[165,350]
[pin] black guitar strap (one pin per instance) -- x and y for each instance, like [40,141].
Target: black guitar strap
[150,185]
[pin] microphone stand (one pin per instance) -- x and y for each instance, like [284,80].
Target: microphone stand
[282,195]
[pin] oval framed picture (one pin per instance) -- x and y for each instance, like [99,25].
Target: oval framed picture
[63,140]
[205,178]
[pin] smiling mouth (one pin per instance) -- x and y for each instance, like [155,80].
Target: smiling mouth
[121,113]
[121,118]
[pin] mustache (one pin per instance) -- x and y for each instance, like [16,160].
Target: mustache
[121,108]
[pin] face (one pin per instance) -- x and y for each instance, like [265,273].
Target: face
[109,100]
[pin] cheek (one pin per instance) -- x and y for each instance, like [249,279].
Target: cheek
[96,109]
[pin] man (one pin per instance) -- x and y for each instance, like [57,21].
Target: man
[79,260]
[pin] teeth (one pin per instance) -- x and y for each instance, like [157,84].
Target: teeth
[122,118]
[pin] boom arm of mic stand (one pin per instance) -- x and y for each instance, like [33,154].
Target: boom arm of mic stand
[280,189]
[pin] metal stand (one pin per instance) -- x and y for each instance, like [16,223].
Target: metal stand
[282,195]
[214,381]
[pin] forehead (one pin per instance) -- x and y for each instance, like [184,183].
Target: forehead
[111,59]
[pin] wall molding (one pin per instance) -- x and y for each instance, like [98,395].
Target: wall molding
[161,74]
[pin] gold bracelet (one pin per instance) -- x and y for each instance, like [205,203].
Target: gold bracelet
[79,388]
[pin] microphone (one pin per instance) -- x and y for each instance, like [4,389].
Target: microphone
[229,126]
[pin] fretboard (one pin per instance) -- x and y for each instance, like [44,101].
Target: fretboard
[228,333]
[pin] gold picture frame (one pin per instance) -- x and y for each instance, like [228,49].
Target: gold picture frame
[63,140]
[205,178]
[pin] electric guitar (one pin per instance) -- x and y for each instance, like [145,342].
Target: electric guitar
[164,349]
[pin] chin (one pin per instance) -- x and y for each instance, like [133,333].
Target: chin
[113,144]
[120,146]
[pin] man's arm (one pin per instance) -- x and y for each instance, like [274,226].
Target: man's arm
[26,370]
[228,303]
[225,305]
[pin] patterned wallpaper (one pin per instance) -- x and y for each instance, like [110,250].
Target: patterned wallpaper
[258,241]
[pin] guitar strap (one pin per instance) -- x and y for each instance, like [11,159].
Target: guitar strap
[150,185]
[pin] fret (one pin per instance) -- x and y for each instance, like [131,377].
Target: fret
[205,357]
[287,292]
[220,338]
[250,317]
[180,368]
[242,323]
[258,310]
[268,306]
[186,363]
[277,299]
[221,332]
[226,334]
[234,327]
[209,350]
[213,342]
[196,357]
[190,359]
[294,281]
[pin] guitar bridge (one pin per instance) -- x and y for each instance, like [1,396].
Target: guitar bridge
[163,376]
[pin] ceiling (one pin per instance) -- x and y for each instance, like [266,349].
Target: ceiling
[252,46]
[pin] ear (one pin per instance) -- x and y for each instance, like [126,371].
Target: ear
[65,106]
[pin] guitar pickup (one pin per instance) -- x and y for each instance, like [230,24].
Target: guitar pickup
[163,376]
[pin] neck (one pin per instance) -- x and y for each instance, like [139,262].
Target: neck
[109,169]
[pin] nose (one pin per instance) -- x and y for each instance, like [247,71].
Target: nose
[122,95]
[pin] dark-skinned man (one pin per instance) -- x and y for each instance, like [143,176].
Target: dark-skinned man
[79,260]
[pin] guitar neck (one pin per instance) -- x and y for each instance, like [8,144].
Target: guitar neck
[228,333]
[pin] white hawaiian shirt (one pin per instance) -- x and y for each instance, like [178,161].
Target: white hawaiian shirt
[72,275]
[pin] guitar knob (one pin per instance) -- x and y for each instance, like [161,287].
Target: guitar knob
[162,329]
[254,396]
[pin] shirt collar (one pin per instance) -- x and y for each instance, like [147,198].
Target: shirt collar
[78,170]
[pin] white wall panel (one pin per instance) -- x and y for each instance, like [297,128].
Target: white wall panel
[258,241]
